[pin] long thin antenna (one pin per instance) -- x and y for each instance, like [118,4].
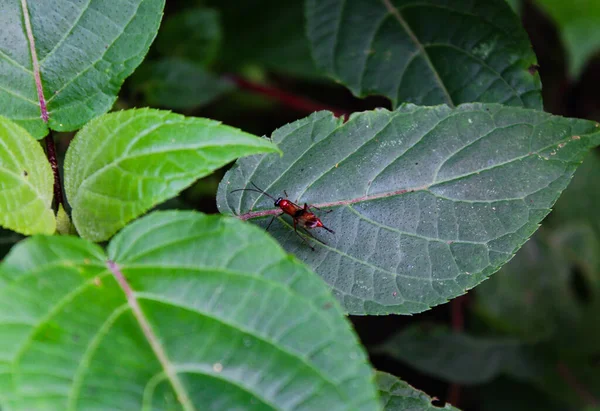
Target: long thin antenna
[256,189]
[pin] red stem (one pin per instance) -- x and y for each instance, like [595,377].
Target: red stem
[302,104]
[458,324]
[35,63]
[51,154]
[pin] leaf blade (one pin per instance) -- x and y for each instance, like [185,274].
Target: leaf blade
[410,51]
[85,52]
[427,201]
[396,395]
[122,164]
[26,180]
[215,336]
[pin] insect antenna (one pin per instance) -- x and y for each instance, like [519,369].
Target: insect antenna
[256,189]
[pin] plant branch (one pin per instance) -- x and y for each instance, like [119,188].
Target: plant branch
[51,154]
[458,325]
[35,63]
[302,104]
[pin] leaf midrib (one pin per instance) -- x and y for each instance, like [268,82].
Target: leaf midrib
[396,13]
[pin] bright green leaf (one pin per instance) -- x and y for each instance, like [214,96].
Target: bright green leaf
[579,26]
[178,84]
[85,51]
[191,312]
[426,52]
[191,34]
[427,201]
[122,164]
[396,395]
[26,182]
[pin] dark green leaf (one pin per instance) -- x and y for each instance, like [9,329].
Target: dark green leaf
[178,84]
[85,50]
[427,201]
[551,289]
[426,52]
[122,164]
[458,357]
[268,33]
[191,312]
[582,203]
[192,34]
[468,359]
[26,182]
[396,395]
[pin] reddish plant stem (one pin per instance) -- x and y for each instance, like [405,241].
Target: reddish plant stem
[51,154]
[458,324]
[151,337]
[257,214]
[302,104]
[457,313]
[575,384]
[35,63]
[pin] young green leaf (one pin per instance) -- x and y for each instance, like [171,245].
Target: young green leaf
[426,52]
[67,60]
[396,395]
[189,312]
[26,182]
[426,202]
[122,164]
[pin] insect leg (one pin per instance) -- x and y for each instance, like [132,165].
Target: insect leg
[307,207]
[273,218]
[328,229]
[302,238]
[313,237]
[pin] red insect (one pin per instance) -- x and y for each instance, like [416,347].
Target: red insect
[302,216]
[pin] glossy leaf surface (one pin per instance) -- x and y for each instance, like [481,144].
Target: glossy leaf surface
[427,201]
[84,50]
[122,164]
[180,316]
[426,52]
[26,182]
